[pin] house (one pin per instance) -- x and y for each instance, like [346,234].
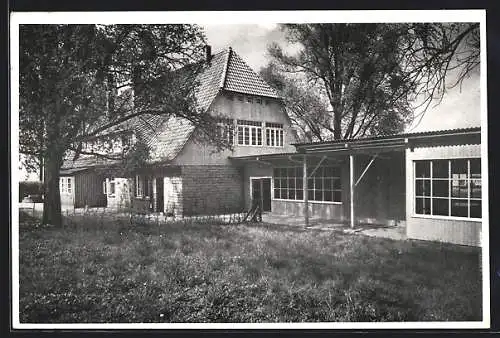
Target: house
[185,176]
[429,182]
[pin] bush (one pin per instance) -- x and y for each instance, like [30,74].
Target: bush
[33,188]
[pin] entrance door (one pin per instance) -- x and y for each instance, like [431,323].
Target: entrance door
[159,195]
[261,192]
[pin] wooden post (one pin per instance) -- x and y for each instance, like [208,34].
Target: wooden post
[304,191]
[351,184]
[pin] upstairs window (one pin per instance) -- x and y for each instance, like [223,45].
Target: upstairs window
[448,187]
[274,134]
[249,133]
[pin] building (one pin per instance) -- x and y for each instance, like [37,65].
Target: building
[429,182]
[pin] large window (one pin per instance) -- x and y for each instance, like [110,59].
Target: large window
[288,183]
[274,134]
[249,133]
[323,186]
[448,187]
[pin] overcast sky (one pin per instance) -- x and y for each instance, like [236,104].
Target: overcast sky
[460,108]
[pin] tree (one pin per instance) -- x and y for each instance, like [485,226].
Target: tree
[372,74]
[69,81]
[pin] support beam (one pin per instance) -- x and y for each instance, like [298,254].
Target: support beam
[351,184]
[317,166]
[366,169]
[304,189]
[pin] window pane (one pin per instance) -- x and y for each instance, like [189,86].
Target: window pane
[459,167]
[284,183]
[319,172]
[259,136]
[422,206]
[328,195]
[291,183]
[276,193]
[310,195]
[440,188]
[281,138]
[475,188]
[459,186]
[247,136]
[475,168]
[299,183]
[268,137]
[440,206]
[422,169]
[254,136]
[440,169]
[336,184]
[300,195]
[337,196]
[318,183]
[240,135]
[459,208]
[310,183]
[423,187]
[475,208]
[318,195]
[291,194]
[291,172]
[276,183]
[329,183]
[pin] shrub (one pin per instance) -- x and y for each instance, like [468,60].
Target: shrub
[34,188]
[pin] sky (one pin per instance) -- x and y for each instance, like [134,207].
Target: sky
[459,108]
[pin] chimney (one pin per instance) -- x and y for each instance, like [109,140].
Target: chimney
[208,52]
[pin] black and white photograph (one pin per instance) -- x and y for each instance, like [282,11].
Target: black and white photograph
[290,169]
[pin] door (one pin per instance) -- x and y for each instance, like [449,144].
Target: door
[261,192]
[159,195]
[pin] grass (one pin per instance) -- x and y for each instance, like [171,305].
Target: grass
[239,273]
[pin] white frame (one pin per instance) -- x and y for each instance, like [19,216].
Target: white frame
[303,199]
[468,199]
[279,135]
[257,178]
[236,135]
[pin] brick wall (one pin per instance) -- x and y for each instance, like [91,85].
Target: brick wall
[211,189]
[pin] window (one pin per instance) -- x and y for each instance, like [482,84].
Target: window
[448,187]
[65,185]
[288,183]
[225,130]
[112,185]
[104,188]
[323,186]
[274,134]
[249,133]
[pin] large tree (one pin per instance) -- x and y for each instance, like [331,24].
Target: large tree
[69,81]
[373,74]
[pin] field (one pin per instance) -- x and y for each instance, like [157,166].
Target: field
[239,273]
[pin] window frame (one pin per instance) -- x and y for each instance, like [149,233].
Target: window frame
[450,196]
[275,135]
[307,189]
[249,131]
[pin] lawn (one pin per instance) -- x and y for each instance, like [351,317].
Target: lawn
[239,273]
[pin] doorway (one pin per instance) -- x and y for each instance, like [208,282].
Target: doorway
[159,195]
[261,192]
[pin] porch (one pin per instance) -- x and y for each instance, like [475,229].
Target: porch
[396,232]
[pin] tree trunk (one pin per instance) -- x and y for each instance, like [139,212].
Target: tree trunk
[52,199]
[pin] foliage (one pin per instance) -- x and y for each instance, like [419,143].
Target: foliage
[30,188]
[71,76]
[371,74]
[98,272]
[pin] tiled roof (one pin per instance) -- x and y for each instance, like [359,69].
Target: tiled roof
[241,78]
[167,135]
[87,161]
